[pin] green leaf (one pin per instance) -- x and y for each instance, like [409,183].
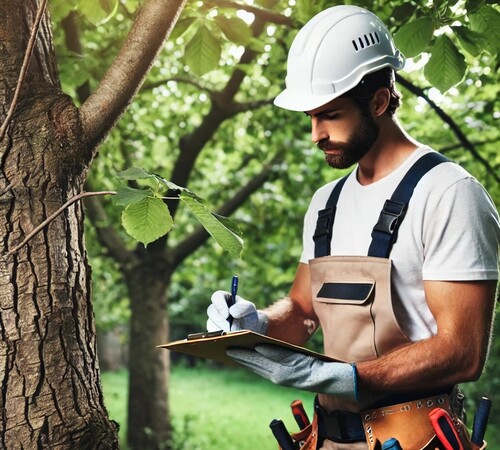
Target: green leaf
[446,66]
[147,220]
[61,8]
[135,173]
[98,12]
[173,186]
[235,29]
[181,27]
[202,52]
[127,196]
[402,13]
[217,227]
[486,21]
[473,5]
[469,40]
[414,37]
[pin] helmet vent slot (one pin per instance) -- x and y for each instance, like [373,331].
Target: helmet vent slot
[366,40]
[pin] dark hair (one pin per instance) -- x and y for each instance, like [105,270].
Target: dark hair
[363,92]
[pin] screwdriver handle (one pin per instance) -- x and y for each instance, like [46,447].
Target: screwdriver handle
[391,444]
[481,421]
[282,435]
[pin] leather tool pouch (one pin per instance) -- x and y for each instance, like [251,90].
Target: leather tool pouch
[307,438]
[409,423]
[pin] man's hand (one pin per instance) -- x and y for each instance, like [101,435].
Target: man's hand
[289,368]
[244,313]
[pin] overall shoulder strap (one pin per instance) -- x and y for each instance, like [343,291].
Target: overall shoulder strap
[384,232]
[324,225]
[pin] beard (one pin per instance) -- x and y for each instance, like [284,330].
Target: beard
[357,146]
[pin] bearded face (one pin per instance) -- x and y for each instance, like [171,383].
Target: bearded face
[343,154]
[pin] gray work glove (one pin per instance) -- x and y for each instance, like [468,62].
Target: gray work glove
[293,369]
[244,313]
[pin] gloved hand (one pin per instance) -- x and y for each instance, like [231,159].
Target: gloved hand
[293,369]
[244,313]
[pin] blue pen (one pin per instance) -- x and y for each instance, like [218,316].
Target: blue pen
[232,300]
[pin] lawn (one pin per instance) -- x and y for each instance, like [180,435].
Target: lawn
[223,409]
[214,408]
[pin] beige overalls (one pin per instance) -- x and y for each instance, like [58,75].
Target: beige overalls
[352,299]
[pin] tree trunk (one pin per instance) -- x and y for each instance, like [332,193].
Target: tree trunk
[148,413]
[50,394]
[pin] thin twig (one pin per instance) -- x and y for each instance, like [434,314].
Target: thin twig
[24,67]
[55,214]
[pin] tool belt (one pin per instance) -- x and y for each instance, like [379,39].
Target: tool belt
[409,423]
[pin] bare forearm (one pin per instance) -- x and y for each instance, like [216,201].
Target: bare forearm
[288,322]
[425,365]
[457,352]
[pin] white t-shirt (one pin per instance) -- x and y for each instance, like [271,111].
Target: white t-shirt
[451,232]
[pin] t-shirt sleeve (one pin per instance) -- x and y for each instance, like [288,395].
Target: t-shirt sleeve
[461,239]
[308,233]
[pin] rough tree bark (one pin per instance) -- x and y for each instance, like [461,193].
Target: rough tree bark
[50,394]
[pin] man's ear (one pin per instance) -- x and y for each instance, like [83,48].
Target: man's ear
[380,101]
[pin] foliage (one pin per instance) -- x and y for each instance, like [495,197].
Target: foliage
[448,31]
[146,217]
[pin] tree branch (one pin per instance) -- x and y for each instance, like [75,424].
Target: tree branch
[263,14]
[250,106]
[49,219]
[123,79]
[222,108]
[107,235]
[450,147]
[200,235]
[24,67]
[152,85]
[452,124]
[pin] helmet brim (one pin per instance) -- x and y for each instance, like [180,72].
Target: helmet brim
[295,102]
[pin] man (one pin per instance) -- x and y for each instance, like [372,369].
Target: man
[405,305]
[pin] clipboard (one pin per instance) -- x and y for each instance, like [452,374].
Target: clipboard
[213,345]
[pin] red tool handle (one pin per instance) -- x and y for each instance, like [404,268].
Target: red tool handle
[300,414]
[445,429]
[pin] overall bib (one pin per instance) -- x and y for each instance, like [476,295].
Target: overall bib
[352,300]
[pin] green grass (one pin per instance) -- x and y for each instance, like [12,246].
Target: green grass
[223,408]
[215,408]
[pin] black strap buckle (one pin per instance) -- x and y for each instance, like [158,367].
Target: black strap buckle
[323,232]
[390,217]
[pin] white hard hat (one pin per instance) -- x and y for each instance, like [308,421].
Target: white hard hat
[331,54]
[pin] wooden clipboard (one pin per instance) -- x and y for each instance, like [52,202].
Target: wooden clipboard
[213,345]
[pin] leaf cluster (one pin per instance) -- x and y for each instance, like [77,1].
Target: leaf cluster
[146,216]
[449,33]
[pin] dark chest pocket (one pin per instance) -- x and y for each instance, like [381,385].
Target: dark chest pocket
[346,292]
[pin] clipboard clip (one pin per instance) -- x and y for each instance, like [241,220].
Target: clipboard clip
[205,335]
